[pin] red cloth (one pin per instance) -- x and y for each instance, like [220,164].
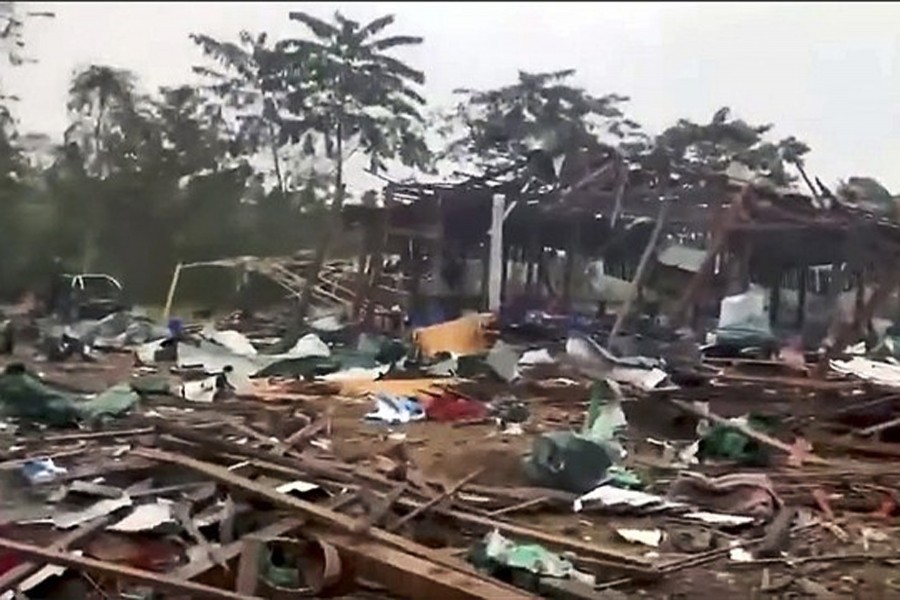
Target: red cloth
[449,407]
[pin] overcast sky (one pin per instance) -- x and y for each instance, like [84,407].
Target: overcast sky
[827,73]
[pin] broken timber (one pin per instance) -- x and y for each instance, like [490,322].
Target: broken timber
[157,580]
[410,568]
[23,571]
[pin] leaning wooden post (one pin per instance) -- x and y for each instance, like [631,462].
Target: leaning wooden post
[705,272]
[640,273]
[170,296]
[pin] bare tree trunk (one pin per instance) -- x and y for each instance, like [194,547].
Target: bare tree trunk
[809,184]
[89,243]
[275,160]
[333,223]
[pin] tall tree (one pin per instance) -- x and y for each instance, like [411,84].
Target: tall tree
[540,111]
[365,97]
[101,99]
[698,151]
[253,85]
[12,51]
[101,105]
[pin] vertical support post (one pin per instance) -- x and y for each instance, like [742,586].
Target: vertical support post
[720,236]
[532,258]
[170,296]
[642,269]
[373,275]
[775,297]
[860,299]
[415,279]
[801,297]
[495,256]
[843,333]
[362,268]
[572,249]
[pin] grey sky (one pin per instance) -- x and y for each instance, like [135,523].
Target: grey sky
[827,73]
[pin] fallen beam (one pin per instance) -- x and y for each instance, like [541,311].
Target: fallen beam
[614,561]
[194,569]
[155,580]
[436,500]
[449,578]
[23,571]
[412,577]
[879,427]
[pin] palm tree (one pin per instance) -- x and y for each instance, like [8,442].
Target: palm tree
[100,99]
[364,94]
[253,83]
[97,94]
[540,111]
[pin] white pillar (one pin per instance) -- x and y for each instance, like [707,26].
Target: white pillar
[495,272]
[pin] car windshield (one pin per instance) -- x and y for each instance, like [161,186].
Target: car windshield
[100,287]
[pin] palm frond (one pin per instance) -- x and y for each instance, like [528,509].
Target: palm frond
[321,29]
[394,41]
[401,69]
[376,26]
[228,54]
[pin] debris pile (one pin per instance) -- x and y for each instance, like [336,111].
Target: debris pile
[454,464]
[476,457]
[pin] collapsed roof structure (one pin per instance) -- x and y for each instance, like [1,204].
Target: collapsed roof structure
[597,208]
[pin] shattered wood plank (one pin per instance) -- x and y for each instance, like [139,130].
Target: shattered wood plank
[720,239]
[777,536]
[448,576]
[230,552]
[301,437]
[23,571]
[621,562]
[89,435]
[278,447]
[795,382]
[413,577]
[879,427]
[155,580]
[888,282]
[308,465]
[381,510]
[518,507]
[639,275]
[435,500]
[182,513]
[248,567]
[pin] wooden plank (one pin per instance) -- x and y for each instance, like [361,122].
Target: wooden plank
[436,500]
[614,561]
[413,577]
[155,580]
[23,571]
[845,332]
[700,279]
[230,552]
[445,574]
[639,275]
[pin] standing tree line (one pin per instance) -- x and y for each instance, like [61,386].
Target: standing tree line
[253,160]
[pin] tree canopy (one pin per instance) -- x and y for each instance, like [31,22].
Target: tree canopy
[248,161]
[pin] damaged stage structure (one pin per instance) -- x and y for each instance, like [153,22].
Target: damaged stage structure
[597,389]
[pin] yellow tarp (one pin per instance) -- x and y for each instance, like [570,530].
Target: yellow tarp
[464,336]
[397,387]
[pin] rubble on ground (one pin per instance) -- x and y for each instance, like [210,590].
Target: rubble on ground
[398,468]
